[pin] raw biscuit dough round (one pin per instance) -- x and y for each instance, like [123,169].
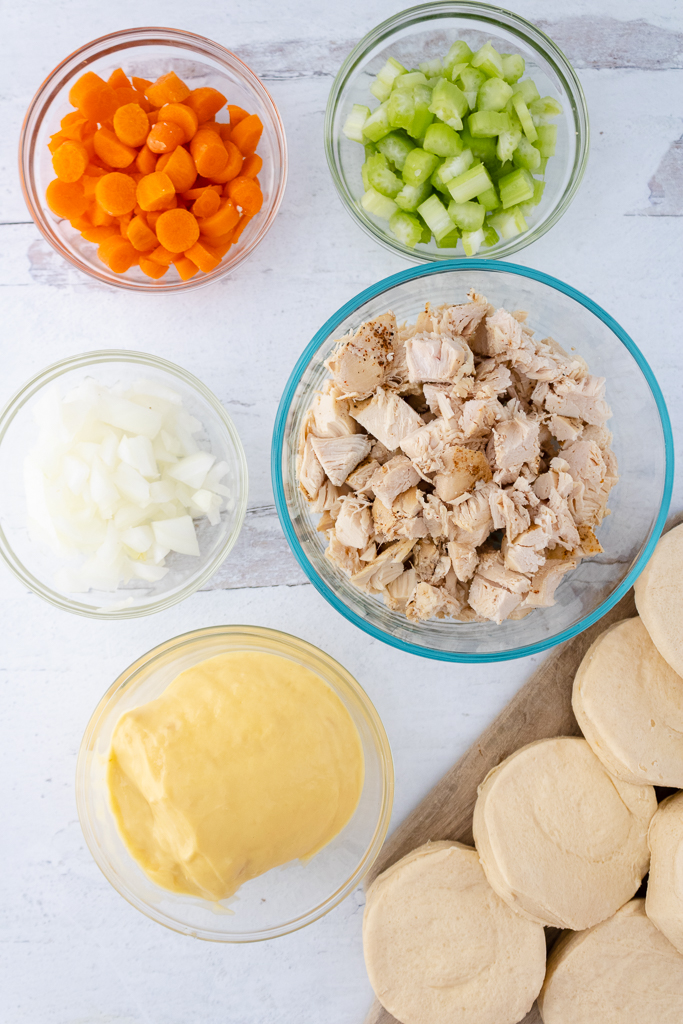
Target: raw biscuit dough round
[659,597]
[622,971]
[628,702]
[664,902]
[560,840]
[442,948]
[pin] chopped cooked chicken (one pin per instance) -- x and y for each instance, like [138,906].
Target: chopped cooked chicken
[430,437]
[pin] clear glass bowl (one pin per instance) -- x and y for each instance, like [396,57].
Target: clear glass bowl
[642,443]
[148,53]
[285,898]
[36,565]
[423,33]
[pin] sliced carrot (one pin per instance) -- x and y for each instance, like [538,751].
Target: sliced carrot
[66,198]
[152,269]
[124,223]
[100,217]
[154,191]
[207,204]
[222,221]
[131,125]
[186,268]
[115,193]
[81,223]
[163,256]
[79,129]
[118,254]
[243,222]
[194,193]
[98,234]
[68,119]
[56,140]
[93,96]
[180,168]
[125,96]
[165,136]
[177,230]
[119,80]
[252,166]
[140,235]
[167,89]
[245,193]
[89,183]
[152,117]
[206,102]
[203,255]
[182,115]
[141,84]
[246,134]
[224,131]
[111,150]
[212,126]
[209,153]
[237,114]
[70,161]
[233,166]
[146,160]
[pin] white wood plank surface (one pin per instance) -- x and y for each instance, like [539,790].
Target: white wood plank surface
[72,951]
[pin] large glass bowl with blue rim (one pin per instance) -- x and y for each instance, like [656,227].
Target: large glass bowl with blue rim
[642,443]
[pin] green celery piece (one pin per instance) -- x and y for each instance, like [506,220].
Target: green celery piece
[410,80]
[489,60]
[501,170]
[489,199]
[448,103]
[515,188]
[377,125]
[526,155]
[547,140]
[454,73]
[453,166]
[364,176]
[436,182]
[423,116]
[490,236]
[432,68]
[544,164]
[369,148]
[483,149]
[509,223]
[426,232]
[419,166]
[396,147]
[467,216]
[543,109]
[411,196]
[381,206]
[524,116]
[513,67]
[466,186]
[507,144]
[384,81]
[449,241]
[442,140]
[528,207]
[471,80]
[381,176]
[406,228]
[355,122]
[493,94]
[484,124]
[401,109]
[459,53]
[528,90]
[435,216]
[472,241]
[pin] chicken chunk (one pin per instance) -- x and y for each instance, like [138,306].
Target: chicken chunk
[509,512]
[331,413]
[359,364]
[588,499]
[353,525]
[546,581]
[359,479]
[345,558]
[387,566]
[425,447]
[437,358]
[428,602]
[387,417]
[399,592]
[393,478]
[464,560]
[310,471]
[516,442]
[462,469]
[339,455]
[583,400]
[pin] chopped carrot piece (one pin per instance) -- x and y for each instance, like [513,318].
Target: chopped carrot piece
[180,168]
[221,249]
[165,136]
[111,150]
[209,153]
[186,268]
[237,114]
[100,217]
[119,80]
[98,234]
[146,160]
[252,166]
[118,254]
[124,223]
[222,221]
[140,235]
[89,183]
[195,193]
[141,84]
[80,129]
[151,268]
[224,131]
[131,125]
[246,134]
[93,96]
[206,102]
[202,254]
[243,222]
[233,166]
[56,140]
[68,119]
[70,161]
[80,223]
[66,198]
[115,193]
[246,193]
[163,256]
[207,204]
[125,96]
[182,115]
[177,230]
[167,89]
[154,191]
[212,126]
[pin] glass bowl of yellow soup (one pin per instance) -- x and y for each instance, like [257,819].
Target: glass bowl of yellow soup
[234,822]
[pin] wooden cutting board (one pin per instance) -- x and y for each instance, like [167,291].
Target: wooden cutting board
[542,708]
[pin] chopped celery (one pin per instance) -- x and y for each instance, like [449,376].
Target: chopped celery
[526,155]
[423,117]
[426,236]
[513,67]
[489,60]
[407,228]
[355,122]
[435,216]
[472,241]
[381,176]
[509,223]
[484,124]
[369,148]
[400,109]
[489,199]
[471,80]
[396,147]
[432,68]
[468,216]
[490,236]
[377,125]
[524,116]
[364,176]
[449,241]
[542,109]
[544,164]
[528,90]
[411,196]
[454,166]
[385,79]
[419,166]
[454,74]
[483,149]
[528,207]
[547,140]
[515,188]
[502,169]
[448,103]
[442,140]
[410,80]
[459,53]
[436,182]
[493,94]
[507,144]
[470,184]
[374,202]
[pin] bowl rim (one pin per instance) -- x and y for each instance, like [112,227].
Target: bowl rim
[270,638]
[131,356]
[424,270]
[136,36]
[489,14]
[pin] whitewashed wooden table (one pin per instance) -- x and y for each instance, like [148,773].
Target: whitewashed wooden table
[71,950]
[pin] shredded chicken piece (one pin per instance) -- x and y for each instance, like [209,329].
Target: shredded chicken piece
[460,466]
